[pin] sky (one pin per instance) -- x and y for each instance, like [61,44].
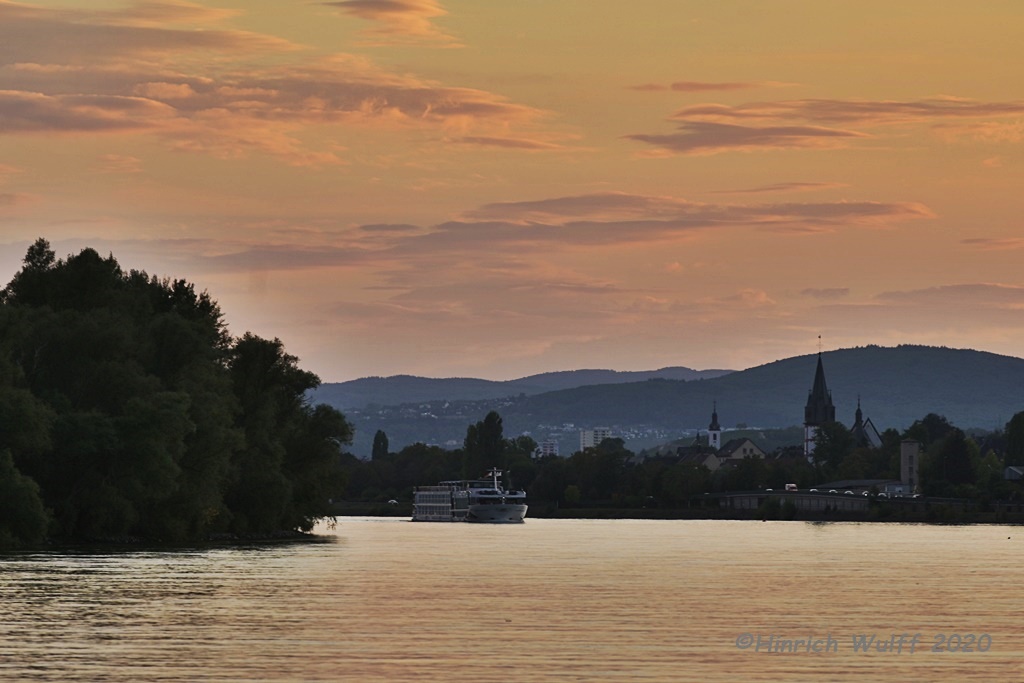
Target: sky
[497,189]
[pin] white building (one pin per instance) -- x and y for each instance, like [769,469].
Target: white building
[548,447]
[590,438]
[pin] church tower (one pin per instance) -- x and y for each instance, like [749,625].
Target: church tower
[819,409]
[714,429]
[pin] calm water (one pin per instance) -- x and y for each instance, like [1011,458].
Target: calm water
[549,600]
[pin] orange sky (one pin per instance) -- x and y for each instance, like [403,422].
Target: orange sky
[495,189]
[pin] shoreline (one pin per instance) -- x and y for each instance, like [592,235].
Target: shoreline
[879,514]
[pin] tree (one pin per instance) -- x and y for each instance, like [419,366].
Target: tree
[521,445]
[929,429]
[950,464]
[1015,440]
[128,406]
[380,445]
[484,446]
[288,444]
[749,474]
[23,518]
[833,442]
[684,480]
[28,284]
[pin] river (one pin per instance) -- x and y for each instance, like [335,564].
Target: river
[384,599]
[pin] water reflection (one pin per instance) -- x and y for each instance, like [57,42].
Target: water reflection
[548,600]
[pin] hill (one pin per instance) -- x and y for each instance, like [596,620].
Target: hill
[399,389]
[896,386]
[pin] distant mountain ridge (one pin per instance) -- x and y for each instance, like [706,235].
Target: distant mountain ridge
[895,385]
[399,389]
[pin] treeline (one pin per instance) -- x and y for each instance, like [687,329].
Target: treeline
[953,463]
[127,411]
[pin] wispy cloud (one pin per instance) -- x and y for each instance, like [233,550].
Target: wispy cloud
[118,164]
[827,123]
[137,71]
[961,296]
[24,112]
[784,187]
[49,37]
[709,86]
[994,243]
[855,111]
[509,143]
[509,235]
[11,198]
[826,293]
[705,137]
[399,21]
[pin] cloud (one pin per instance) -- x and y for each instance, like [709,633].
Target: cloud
[399,21]
[509,143]
[510,235]
[827,123]
[133,70]
[827,293]
[47,37]
[750,298]
[784,187]
[960,296]
[600,205]
[118,164]
[704,137]
[989,132]
[709,86]
[994,243]
[22,112]
[854,111]
[11,198]
[391,228]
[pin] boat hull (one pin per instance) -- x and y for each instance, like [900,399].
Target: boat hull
[504,513]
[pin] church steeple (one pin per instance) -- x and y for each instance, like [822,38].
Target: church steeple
[714,429]
[864,433]
[819,408]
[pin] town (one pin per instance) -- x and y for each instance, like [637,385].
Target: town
[932,470]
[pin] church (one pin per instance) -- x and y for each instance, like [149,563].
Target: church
[820,410]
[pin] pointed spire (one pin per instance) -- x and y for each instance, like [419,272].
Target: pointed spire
[714,418]
[819,409]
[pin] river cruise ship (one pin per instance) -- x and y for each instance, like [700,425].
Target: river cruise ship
[476,500]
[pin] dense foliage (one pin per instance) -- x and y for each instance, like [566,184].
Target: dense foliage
[127,410]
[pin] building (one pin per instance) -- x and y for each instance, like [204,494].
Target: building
[697,456]
[591,438]
[547,448]
[737,449]
[714,429]
[819,409]
[910,461]
[864,433]
[1013,473]
[698,453]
